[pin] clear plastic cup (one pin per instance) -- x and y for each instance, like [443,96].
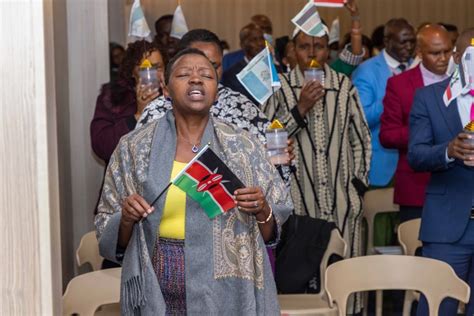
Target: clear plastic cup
[276,144]
[471,142]
[311,74]
[149,77]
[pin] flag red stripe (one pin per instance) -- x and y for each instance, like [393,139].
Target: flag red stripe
[330,1]
[198,171]
[222,197]
[449,93]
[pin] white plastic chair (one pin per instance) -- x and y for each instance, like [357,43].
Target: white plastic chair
[435,279]
[88,251]
[89,291]
[315,304]
[377,202]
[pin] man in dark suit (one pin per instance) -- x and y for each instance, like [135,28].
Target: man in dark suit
[252,42]
[434,48]
[263,22]
[437,144]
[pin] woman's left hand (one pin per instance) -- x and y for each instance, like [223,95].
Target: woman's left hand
[252,200]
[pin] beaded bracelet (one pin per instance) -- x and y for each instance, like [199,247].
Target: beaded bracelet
[267,219]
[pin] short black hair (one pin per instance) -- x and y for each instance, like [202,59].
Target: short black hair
[393,25]
[280,47]
[161,19]
[449,27]
[181,53]
[199,35]
[377,36]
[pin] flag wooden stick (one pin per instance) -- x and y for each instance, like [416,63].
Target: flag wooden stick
[159,195]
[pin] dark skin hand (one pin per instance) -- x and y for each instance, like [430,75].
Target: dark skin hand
[252,201]
[291,150]
[458,148]
[145,95]
[134,208]
[311,92]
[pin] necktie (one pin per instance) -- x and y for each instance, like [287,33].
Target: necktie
[402,67]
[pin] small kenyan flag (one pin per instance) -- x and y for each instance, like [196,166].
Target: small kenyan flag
[208,181]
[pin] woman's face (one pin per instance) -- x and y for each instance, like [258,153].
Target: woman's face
[192,85]
[156,61]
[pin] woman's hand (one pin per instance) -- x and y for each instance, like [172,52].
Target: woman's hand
[134,208]
[145,95]
[252,200]
[351,6]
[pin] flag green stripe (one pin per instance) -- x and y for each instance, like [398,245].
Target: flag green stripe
[188,185]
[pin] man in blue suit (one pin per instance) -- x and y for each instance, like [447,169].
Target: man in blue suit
[370,79]
[437,145]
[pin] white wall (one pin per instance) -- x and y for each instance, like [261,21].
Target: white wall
[81,32]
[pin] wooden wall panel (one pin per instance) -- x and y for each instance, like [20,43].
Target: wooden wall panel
[226,17]
[30,270]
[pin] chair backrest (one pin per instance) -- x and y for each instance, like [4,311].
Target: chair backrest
[336,246]
[375,202]
[87,292]
[88,251]
[435,279]
[408,236]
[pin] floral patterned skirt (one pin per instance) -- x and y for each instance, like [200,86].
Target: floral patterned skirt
[168,263]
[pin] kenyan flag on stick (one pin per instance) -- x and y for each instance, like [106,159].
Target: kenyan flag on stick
[208,181]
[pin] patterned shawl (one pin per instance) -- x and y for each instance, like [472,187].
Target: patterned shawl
[227,269]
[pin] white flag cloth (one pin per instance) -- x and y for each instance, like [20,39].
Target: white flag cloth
[463,77]
[308,21]
[138,26]
[334,32]
[260,77]
[179,26]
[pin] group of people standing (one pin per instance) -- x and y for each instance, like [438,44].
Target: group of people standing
[373,122]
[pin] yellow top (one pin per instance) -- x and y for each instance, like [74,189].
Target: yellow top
[173,219]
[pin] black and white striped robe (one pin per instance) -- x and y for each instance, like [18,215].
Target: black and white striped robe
[332,150]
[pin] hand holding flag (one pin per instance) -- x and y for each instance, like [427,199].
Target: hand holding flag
[308,21]
[260,77]
[208,181]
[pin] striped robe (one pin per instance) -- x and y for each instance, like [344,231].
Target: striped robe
[332,149]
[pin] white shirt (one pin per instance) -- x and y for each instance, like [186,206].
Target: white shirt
[464,107]
[429,77]
[393,63]
[464,102]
